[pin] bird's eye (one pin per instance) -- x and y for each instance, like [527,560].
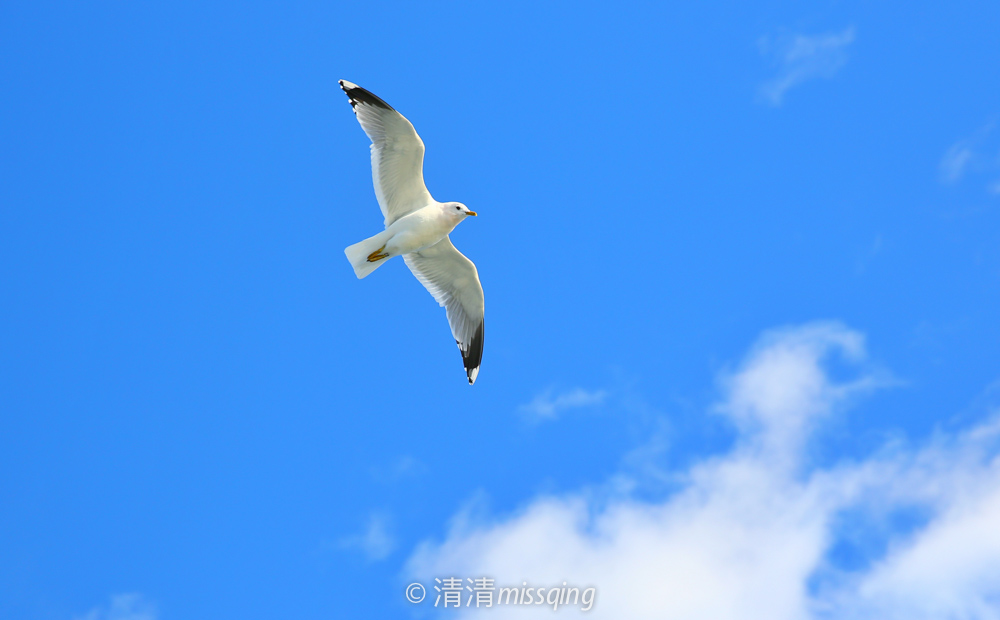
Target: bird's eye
[458,208]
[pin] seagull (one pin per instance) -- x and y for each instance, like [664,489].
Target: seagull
[416,225]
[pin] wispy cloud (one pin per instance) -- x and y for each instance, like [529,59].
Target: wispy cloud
[955,162]
[801,57]
[758,531]
[375,542]
[978,154]
[404,467]
[868,254]
[122,607]
[548,405]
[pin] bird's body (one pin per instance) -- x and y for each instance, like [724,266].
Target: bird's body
[411,233]
[416,225]
[420,229]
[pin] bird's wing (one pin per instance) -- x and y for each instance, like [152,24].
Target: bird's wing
[397,154]
[454,282]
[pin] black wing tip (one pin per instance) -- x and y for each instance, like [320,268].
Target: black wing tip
[357,95]
[473,358]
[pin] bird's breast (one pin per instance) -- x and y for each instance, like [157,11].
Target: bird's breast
[417,231]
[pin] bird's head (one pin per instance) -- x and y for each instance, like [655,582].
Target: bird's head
[457,210]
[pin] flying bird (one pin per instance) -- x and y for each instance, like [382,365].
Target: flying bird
[416,225]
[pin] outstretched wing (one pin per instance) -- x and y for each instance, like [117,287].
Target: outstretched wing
[454,282]
[397,154]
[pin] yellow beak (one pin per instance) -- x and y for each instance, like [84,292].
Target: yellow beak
[471,212]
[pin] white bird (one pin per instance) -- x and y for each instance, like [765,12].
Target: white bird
[416,225]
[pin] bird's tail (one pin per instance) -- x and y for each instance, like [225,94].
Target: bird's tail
[359,252]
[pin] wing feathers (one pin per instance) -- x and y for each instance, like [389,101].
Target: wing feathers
[453,281]
[360,95]
[397,154]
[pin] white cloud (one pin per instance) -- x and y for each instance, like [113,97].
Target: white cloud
[375,542]
[123,607]
[800,58]
[949,568]
[978,155]
[751,533]
[781,389]
[401,468]
[955,161]
[548,406]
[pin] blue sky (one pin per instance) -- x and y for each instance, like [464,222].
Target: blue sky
[741,265]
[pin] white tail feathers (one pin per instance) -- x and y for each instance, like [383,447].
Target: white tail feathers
[359,252]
